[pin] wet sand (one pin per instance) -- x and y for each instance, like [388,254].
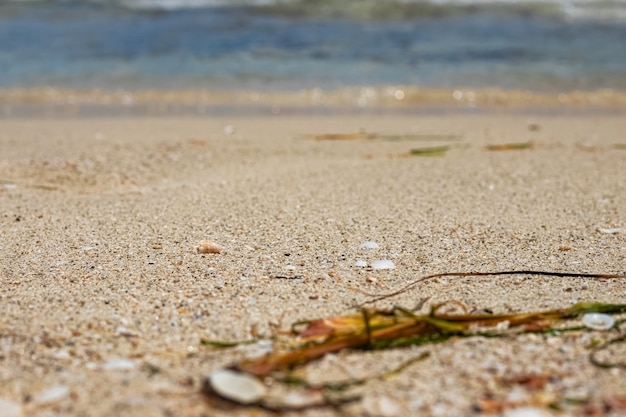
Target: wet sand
[104,299]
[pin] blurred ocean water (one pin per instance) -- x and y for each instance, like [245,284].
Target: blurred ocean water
[550,45]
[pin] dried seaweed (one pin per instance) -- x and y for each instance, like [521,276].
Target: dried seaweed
[382,329]
[372,329]
[217,344]
[343,136]
[430,151]
[510,146]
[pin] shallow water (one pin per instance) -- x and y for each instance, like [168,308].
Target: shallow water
[263,45]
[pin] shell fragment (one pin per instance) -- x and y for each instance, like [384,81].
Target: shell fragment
[383,264]
[236,386]
[598,321]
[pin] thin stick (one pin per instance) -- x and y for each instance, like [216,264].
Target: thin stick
[410,285]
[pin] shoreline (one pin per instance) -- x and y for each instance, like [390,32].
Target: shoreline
[48,101]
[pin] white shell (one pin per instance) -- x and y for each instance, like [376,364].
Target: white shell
[237,386]
[361,263]
[369,245]
[383,264]
[598,321]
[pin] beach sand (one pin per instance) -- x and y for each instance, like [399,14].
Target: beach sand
[104,299]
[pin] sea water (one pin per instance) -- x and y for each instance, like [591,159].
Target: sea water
[550,45]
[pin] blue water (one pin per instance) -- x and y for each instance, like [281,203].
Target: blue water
[169,44]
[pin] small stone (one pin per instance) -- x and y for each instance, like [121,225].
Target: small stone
[52,395]
[289,268]
[9,408]
[236,386]
[360,263]
[383,264]
[369,245]
[206,246]
[229,129]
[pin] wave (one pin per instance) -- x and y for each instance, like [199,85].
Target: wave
[605,10]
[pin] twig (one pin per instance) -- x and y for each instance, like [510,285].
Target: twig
[410,285]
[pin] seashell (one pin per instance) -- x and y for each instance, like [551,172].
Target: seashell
[369,245]
[598,321]
[361,263]
[9,408]
[236,386]
[206,246]
[383,264]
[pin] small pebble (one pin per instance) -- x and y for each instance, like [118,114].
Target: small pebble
[383,264]
[52,395]
[229,129]
[289,268]
[9,408]
[206,246]
[361,263]
[598,321]
[236,386]
[369,245]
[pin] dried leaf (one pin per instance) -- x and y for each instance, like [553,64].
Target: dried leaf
[430,151]
[510,146]
[343,136]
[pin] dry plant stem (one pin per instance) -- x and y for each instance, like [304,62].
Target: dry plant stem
[409,286]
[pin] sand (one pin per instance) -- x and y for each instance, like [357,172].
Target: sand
[104,299]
